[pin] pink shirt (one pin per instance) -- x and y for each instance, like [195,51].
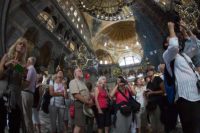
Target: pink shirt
[102,98]
[120,98]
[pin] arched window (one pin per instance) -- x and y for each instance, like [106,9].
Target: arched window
[46,18]
[129,59]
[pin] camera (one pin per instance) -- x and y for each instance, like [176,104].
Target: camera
[122,80]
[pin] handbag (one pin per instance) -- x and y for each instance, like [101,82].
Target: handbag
[7,92]
[3,87]
[111,106]
[72,110]
[125,108]
[193,68]
[132,106]
[111,103]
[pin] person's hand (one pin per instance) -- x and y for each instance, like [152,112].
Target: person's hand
[183,26]
[149,93]
[129,84]
[100,111]
[65,94]
[64,81]
[13,62]
[39,85]
[89,103]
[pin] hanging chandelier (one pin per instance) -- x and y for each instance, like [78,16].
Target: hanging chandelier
[109,10]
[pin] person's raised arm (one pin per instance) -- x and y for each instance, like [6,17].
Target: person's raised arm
[173,47]
[113,91]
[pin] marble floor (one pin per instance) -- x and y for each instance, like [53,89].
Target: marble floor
[45,125]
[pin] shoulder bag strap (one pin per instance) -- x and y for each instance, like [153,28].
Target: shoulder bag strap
[107,92]
[123,94]
[190,64]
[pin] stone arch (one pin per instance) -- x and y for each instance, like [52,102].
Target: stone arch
[45,54]
[104,55]
[48,9]
[31,34]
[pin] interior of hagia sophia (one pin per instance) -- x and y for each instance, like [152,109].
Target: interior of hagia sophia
[119,40]
[100,36]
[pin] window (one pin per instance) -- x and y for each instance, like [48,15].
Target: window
[46,18]
[71,8]
[129,60]
[75,13]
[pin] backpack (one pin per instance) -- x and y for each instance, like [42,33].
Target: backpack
[169,83]
[46,97]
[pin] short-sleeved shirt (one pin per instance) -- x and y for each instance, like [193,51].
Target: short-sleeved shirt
[31,77]
[78,86]
[155,84]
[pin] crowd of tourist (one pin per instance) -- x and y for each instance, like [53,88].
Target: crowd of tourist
[150,104]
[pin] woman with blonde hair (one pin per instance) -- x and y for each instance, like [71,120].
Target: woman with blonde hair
[101,100]
[12,70]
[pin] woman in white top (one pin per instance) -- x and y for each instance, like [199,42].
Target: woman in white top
[57,103]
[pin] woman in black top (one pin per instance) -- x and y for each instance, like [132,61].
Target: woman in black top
[12,70]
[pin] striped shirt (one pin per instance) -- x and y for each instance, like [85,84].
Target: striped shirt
[185,77]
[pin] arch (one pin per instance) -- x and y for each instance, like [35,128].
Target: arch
[48,10]
[130,58]
[32,34]
[47,19]
[61,28]
[45,53]
[103,56]
[116,25]
[55,19]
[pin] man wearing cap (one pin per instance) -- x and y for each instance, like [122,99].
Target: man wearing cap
[81,96]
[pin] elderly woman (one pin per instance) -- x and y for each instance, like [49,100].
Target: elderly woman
[11,70]
[57,104]
[101,100]
[122,91]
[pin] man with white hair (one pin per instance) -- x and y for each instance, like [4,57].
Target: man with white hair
[80,94]
[27,94]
